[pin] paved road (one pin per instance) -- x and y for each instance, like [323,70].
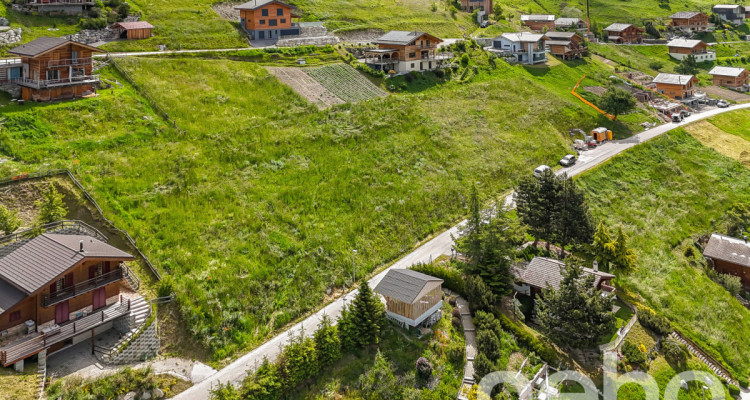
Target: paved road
[167,52]
[439,245]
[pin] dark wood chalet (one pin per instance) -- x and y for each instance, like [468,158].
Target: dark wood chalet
[412,298]
[729,255]
[624,33]
[542,273]
[566,45]
[56,68]
[55,290]
[690,21]
[69,7]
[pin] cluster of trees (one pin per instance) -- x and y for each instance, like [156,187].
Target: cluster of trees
[612,253]
[51,209]
[104,13]
[493,345]
[358,326]
[688,66]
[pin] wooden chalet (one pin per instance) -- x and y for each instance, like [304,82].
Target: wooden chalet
[690,21]
[566,45]
[730,77]
[729,255]
[268,19]
[624,33]
[412,298]
[677,87]
[681,48]
[481,5]
[406,51]
[58,289]
[134,30]
[55,68]
[570,23]
[69,7]
[538,22]
[542,273]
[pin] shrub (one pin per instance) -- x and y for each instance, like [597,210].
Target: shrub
[51,206]
[456,322]
[689,251]
[674,351]
[455,353]
[424,368]
[465,59]
[656,323]
[455,313]
[479,295]
[9,221]
[633,354]
[166,286]
[529,341]
[733,390]
[451,277]
[656,65]
[742,380]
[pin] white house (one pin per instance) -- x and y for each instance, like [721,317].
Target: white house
[681,48]
[524,47]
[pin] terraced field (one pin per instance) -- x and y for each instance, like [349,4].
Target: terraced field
[305,86]
[345,82]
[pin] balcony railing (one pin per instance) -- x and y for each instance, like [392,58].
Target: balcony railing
[54,2]
[10,61]
[69,62]
[75,80]
[34,343]
[49,299]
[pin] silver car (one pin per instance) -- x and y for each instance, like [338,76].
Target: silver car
[568,160]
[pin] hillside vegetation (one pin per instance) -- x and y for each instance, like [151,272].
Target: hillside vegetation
[666,193]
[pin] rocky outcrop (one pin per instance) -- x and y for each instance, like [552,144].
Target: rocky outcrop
[88,36]
[10,36]
[4,21]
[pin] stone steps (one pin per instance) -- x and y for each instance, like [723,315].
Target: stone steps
[697,352]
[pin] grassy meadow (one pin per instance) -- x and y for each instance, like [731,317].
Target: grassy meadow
[254,205]
[666,194]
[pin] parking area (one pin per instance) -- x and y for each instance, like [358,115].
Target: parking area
[731,95]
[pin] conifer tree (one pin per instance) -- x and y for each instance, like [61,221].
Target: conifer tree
[327,342]
[623,257]
[51,207]
[601,246]
[9,221]
[363,320]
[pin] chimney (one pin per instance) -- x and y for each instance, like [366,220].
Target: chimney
[80,246]
[596,266]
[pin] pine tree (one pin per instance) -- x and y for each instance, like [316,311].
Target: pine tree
[368,316]
[572,221]
[488,344]
[601,246]
[482,367]
[266,383]
[470,243]
[623,257]
[327,342]
[51,207]
[536,204]
[576,314]
[478,294]
[298,361]
[9,221]
[347,331]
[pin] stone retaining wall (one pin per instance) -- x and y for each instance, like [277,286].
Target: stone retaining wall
[144,347]
[10,36]
[308,41]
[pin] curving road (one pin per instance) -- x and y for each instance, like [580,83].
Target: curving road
[437,246]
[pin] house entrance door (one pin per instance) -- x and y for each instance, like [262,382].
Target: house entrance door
[62,313]
[100,298]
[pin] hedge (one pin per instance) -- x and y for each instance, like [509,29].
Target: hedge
[452,277]
[529,341]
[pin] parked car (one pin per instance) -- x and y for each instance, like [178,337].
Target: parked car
[722,104]
[676,118]
[568,160]
[540,170]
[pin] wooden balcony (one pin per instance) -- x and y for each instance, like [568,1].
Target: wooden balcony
[50,299]
[58,2]
[34,343]
[70,62]
[45,84]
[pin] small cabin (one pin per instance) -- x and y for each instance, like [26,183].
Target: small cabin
[411,298]
[624,33]
[729,255]
[134,30]
[730,77]
[570,23]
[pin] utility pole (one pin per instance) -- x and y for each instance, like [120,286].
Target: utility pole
[354,267]
[588,16]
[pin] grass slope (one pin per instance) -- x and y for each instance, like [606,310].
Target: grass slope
[255,208]
[664,193]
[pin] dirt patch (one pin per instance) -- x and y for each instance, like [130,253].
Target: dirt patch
[725,143]
[597,90]
[715,91]
[305,86]
[359,36]
[227,11]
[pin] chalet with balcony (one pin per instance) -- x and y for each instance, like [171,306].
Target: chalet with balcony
[729,255]
[690,21]
[731,77]
[268,19]
[58,289]
[481,5]
[681,48]
[624,33]
[70,7]
[677,87]
[411,298]
[55,69]
[541,273]
[566,45]
[538,22]
[406,51]
[520,47]
[570,24]
[733,13]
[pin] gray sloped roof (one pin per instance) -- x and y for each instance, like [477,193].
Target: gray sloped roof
[684,43]
[726,71]
[406,285]
[729,249]
[543,271]
[254,4]
[47,256]
[560,35]
[526,37]
[684,14]
[617,27]
[43,45]
[538,17]
[558,42]
[567,21]
[726,7]
[673,79]
[9,296]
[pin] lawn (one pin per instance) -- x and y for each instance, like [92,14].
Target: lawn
[402,349]
[20,386]
[665,194]
[254,205]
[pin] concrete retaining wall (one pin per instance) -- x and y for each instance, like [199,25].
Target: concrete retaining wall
[307,41]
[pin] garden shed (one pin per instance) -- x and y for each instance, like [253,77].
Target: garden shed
[133,30]
[412,298]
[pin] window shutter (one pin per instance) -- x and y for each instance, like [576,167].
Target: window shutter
[107,266]
[92,271]
[53,287]
[69,280]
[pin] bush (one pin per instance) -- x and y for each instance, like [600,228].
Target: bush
[633,354]
[455,313]
[734,391]
[479,295]
[455,353]
[656,65]
[456,322]
[166,286]
[529,341]
[674,351]
[742,381]
[9,221]
[452,277]
[424,368]
[656,323]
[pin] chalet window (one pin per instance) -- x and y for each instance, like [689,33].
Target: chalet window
[263,22]
[428,43]
[54,74]
[271,22]
[412,55]
[283,21]
[79,72]
[264,12]
[74,55]
[279,12]
[15,316]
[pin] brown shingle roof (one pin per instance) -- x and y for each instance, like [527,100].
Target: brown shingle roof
[135,25]
[729,249]
[47,256]
[542,271]
[43,45]
[406,285]
[9,296]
